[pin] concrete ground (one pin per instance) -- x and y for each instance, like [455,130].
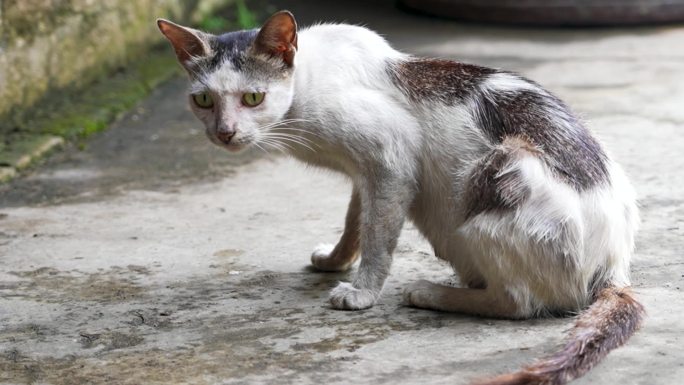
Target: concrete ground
[152,257]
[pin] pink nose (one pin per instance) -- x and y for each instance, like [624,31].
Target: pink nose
[225,136]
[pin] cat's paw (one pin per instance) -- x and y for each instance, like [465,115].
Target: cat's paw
[323,259]
[420,294]
[347,297]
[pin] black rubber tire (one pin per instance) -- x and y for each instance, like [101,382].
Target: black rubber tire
[555,12]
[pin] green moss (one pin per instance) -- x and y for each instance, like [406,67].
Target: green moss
[24,152]
[86,107]
[79,112]
[26,25]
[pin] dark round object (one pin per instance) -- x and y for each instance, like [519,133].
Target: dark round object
[555,12]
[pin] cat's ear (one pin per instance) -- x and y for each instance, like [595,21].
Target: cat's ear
[278,37]
[187,42]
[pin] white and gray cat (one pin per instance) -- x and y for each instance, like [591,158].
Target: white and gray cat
[503,180]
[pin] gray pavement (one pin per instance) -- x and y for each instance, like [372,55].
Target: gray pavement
[152,257]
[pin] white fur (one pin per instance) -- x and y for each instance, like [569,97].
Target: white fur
[502,82]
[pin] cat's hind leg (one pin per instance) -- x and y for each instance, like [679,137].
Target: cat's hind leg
[524,229]
[341,257]
[489,302]
[493,184]
[461,260]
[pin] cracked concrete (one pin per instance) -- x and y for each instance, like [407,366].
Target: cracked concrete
[153,257]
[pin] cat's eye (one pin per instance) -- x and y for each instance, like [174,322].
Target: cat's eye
[203,100]
[253,99]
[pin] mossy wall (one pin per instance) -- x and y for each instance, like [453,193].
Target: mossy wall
[51,44]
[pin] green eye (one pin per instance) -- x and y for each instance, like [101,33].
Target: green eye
[203,100]
[252,99]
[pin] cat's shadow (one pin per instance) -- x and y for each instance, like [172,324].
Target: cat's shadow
[330,278]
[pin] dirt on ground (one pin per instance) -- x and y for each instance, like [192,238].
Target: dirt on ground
[151,256]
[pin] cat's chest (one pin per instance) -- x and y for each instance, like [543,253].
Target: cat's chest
[437,206]
[320,152]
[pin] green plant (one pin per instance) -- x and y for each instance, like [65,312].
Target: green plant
[214,24]
[245,18]
[242,18]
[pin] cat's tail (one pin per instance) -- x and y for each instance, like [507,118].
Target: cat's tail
[607,324]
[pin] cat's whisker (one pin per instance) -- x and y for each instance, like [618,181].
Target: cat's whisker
[298,143]
[257,145]
[303,135]
[297,131]
[287,121]
[293,139]
[269,145]
[287,146]
[281,123]
[271,125]
[283,133]
[290,120]
[277,131]
[286,135]
[304,142]
[275,145]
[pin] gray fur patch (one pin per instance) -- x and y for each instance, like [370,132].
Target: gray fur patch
[232,47]
[489,188]
[568,147]
[446,81]
[236,48]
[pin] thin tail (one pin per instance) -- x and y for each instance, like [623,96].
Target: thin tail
[607,324]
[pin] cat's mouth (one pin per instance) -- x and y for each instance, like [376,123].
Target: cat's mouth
[232,144]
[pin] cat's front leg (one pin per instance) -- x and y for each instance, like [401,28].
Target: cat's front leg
[383,210]
[346,252]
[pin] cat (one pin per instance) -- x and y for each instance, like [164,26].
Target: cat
[497,173]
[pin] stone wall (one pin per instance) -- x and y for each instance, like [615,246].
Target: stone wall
[50,44]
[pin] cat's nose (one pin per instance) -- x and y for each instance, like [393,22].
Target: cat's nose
[225,135]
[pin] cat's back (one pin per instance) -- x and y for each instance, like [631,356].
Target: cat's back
[488,107]
[345,52]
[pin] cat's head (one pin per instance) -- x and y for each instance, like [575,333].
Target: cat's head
[241,82]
